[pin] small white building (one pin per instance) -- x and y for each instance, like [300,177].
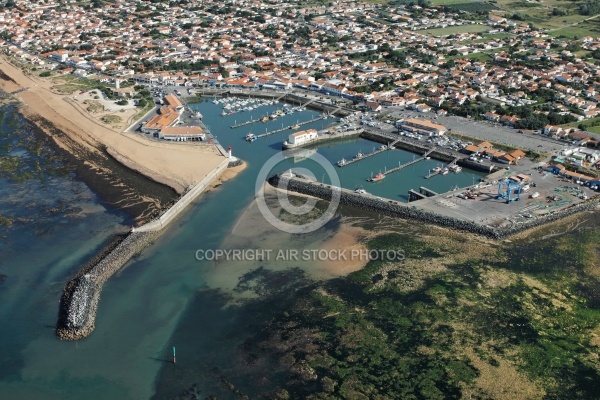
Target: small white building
[302,137]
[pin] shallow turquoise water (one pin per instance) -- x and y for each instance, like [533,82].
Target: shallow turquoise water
[157,300]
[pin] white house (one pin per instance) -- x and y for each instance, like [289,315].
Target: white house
[300,138]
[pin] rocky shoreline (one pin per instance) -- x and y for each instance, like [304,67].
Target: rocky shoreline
[409,212]
[139,196]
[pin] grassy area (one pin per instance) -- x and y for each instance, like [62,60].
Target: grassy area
[111,119]
[540,14]
[587,28]
[149,106]
[595,129]
[447,2]
[481,56]
[69,84]
[458,317]
[474,28]
[94,106]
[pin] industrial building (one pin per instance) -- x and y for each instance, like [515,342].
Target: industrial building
[422,127]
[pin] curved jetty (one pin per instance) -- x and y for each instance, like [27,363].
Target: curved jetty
[79,302]
[300,185]
[78,305]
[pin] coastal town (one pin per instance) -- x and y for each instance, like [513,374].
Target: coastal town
[479,89]
[457,140]
[494,67]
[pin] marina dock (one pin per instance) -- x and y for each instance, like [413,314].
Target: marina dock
[246,123]
[299,124]
[375,152]
[363,157]
[408,164]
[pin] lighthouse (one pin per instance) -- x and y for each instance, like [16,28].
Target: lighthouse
[229,152]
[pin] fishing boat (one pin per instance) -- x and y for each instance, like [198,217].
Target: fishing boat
[342,162]
[377,177]
[251,137]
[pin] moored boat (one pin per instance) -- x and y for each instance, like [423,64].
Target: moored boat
[377,177]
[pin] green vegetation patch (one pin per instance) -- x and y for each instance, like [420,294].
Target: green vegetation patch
[474,28]
[111,119]
[516,319]
[94,106]
[472,7]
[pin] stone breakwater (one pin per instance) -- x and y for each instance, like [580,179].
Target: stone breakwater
[79,303]
[316,189]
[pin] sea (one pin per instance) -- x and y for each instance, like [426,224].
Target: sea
[165,300]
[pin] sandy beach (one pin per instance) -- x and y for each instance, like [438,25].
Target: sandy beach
[96,145]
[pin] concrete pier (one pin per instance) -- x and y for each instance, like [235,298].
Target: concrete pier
[408,211]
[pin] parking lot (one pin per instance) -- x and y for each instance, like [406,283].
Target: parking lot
[485,130]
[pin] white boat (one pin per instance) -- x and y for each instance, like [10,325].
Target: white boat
[251,137]
[360,191]
[342,162]
[359,155]
[534,195]
[383,147]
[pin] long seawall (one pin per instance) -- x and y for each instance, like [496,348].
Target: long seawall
[349,198]
[81,295]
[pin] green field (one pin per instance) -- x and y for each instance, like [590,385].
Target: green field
[474,28]
[587,28]
[449,2]
[540,14]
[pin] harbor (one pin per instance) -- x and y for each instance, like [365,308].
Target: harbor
[404,164]
[124,325]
